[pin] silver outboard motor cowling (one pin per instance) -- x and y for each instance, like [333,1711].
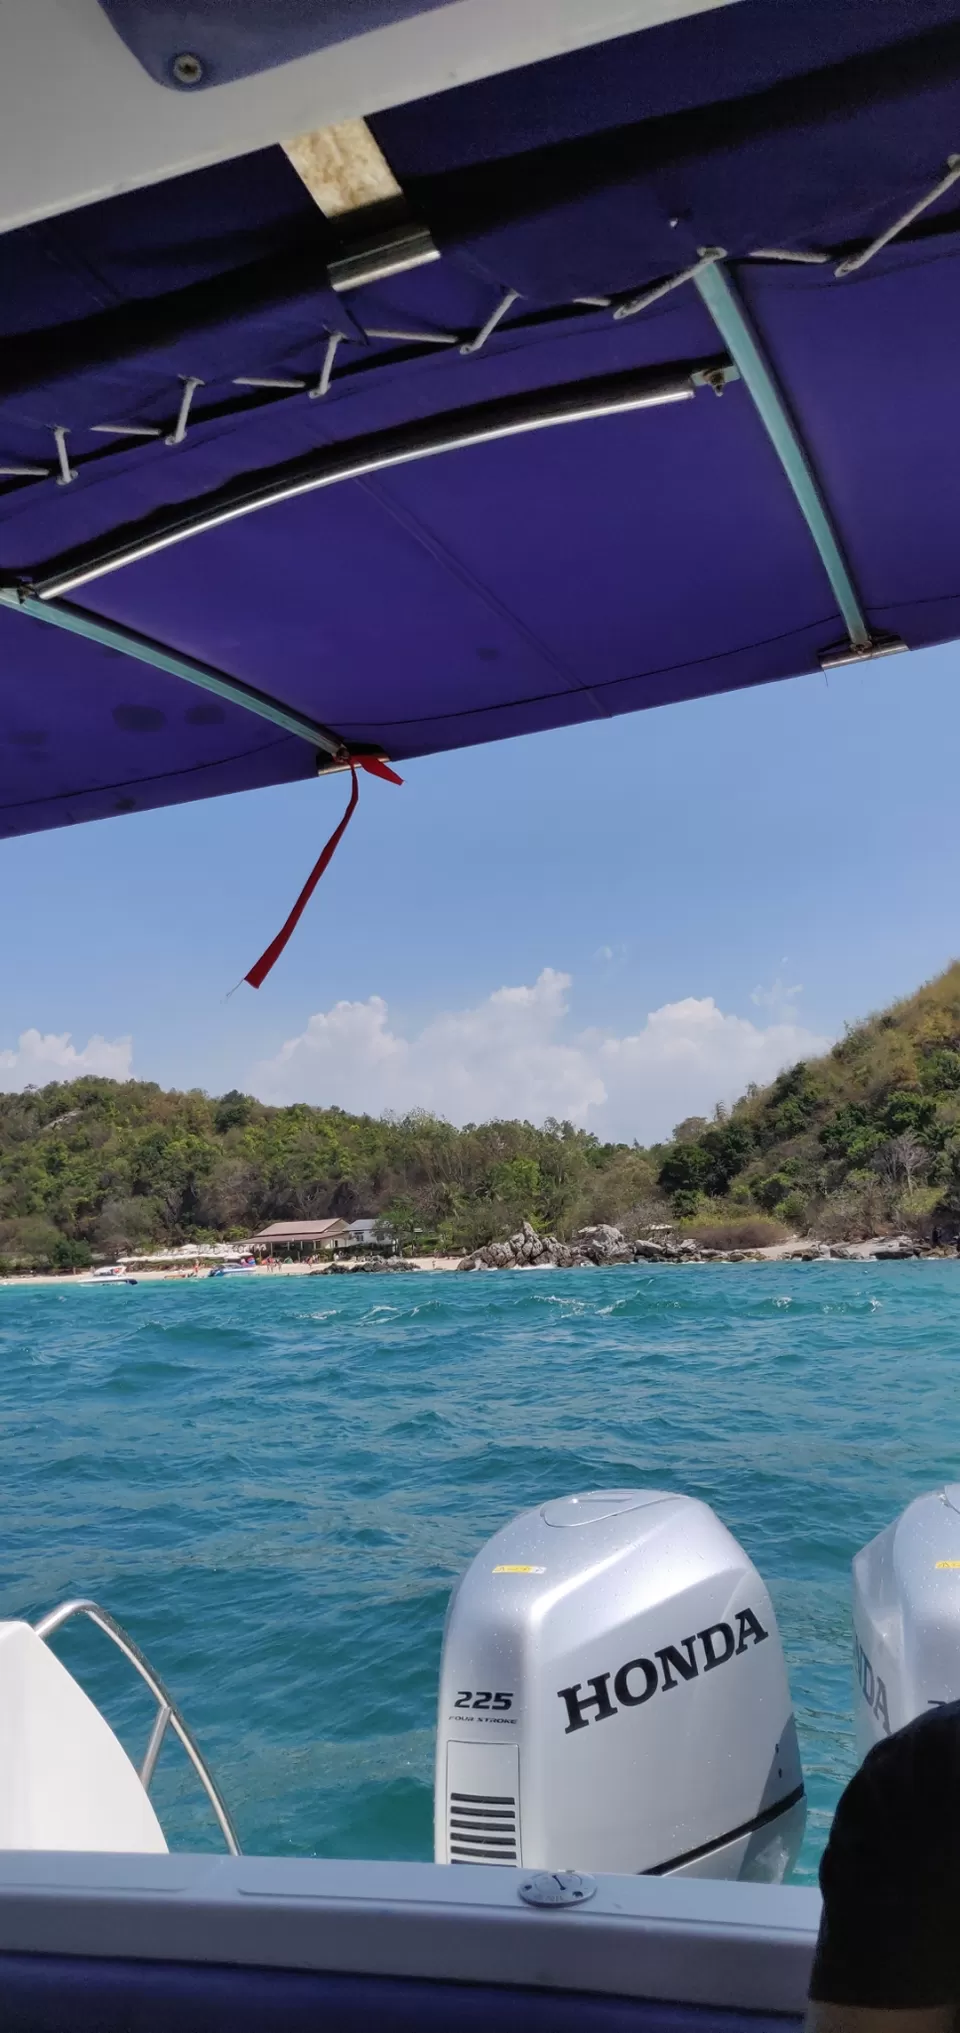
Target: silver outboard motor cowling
[906,1617]
[613,1697]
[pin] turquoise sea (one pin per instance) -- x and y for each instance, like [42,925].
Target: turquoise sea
[274,1484]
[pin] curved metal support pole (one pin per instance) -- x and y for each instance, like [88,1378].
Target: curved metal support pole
[167,1710]
[112,636]
[353,459]
[718,293]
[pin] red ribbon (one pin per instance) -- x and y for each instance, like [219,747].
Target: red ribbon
[374,766]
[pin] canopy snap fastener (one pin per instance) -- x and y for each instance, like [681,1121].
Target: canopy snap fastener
[708,255]
[806,256]
[473,345]
[127,430]
[191,382]
[855,261]
[67,472]
[412,338]
[334,340]
[266,381]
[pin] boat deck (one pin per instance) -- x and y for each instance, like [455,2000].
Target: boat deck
[109,1942]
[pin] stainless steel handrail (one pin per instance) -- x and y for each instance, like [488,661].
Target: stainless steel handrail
[167,1711]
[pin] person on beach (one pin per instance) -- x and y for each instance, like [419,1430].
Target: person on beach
[888,1952]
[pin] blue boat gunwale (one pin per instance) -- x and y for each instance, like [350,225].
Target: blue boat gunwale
[683,1941]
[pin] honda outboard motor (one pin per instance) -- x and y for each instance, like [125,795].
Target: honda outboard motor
[613,1697]
[906,1617]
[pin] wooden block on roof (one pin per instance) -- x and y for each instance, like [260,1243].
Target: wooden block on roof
[343,168]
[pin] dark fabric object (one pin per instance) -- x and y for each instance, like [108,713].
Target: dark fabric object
[144,246]
[810,157]
[246,37]
[890,1875]
[86,734]
[698,61]
[66,1994]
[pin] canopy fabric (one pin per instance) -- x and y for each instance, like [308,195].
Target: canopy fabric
[529,578]
[247,37]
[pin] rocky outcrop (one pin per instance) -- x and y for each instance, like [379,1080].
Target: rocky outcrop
[603,1244]
[880,1249]
[599,1245]
[525,1250]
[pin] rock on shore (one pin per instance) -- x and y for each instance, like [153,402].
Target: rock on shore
[602,1244]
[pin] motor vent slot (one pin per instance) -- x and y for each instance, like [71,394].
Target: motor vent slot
[483,1828]
[483,1804]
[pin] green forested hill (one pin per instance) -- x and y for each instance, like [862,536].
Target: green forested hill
[865,1138]
[98,1166]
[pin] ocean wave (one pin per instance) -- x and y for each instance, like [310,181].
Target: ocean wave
[276,1495]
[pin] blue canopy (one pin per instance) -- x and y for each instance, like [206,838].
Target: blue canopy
[660,421]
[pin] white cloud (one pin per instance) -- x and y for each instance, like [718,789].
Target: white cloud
[779,998]
[515,1054]
[688,1056]
[42,1056]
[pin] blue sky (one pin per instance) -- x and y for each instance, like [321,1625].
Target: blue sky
[750,870]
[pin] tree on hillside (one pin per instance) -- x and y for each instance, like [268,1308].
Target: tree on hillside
[515,1187]
[399,1223]
[233,1111]
[903,1159]
[690,1130]
[708,1165]
[68,1255]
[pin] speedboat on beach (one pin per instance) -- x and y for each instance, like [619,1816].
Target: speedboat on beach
[106,1274]
[376,382]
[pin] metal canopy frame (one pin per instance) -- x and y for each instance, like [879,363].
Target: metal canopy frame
[41,594]
[449,431]
[40,598]
[491,183]
[719,294]
[110,635]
